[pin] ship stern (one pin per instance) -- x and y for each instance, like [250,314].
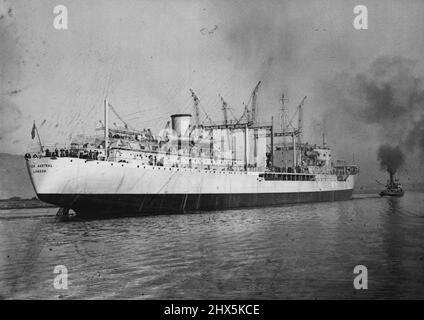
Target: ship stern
[43,179]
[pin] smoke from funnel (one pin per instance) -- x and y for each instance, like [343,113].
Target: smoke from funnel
[391,158]
[384,100]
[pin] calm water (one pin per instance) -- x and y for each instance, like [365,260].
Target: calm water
[305,251]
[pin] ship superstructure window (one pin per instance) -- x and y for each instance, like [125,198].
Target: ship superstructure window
[287,177]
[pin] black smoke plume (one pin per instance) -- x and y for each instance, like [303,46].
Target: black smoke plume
[393,97]
[391,158]
[387,97]
[390,92]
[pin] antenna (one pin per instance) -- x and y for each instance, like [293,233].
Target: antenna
[323,137]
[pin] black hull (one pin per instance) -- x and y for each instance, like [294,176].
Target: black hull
[150,204]
[391,194]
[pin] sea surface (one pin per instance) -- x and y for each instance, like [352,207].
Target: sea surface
[292,252]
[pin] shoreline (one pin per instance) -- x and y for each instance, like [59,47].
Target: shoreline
[6,204]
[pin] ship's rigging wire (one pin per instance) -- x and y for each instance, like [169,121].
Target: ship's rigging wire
[145,111]
[78,122]
[75,121]
[79,119]
[169,98]
[81,123]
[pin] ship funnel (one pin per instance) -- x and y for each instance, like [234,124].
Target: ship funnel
[181,123]
[391,177]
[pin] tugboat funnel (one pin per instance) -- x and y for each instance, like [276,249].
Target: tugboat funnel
[391,177]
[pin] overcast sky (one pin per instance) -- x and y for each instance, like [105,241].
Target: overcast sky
[145,55]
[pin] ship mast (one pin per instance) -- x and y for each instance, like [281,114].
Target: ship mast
[272,144]
[324,143]
[246,147]
[294,149]
[300,126]
[283,122]
[106,107]
[293,132]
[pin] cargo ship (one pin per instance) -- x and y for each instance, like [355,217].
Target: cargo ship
[191,165]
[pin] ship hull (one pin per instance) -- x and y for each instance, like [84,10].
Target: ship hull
[147,204]
[93,188]
[386,193]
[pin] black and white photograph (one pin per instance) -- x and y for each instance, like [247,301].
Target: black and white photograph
[185,150]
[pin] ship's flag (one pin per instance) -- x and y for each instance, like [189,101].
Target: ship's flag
[33,131]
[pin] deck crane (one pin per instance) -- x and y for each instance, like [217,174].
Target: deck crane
[196,108]
[119,117]
[224,109]
[255,103]
[250,114]
[300,119]
[288,129]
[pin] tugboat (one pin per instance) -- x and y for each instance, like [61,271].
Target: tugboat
[393,188]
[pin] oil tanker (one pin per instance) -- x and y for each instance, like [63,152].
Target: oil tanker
[191,165]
